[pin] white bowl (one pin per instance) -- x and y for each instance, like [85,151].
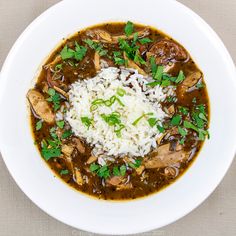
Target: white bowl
[70,206]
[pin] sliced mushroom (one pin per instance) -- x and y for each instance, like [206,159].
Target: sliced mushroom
[189,82]
[78,177]
[132,64]
[163,157]
[97,61]
[91,159]
[40,106]
[166,51]
[100,35]
[67,150]
[62,92]
[79,145]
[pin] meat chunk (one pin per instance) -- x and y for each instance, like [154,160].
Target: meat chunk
[67,150]
[79,145]
[78,177]
[91,159]
[40,106]
[166,51]
[119,182]
[97,61]
[163,157]
[132,64]
[189,82]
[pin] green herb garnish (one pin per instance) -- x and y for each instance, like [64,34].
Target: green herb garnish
[142,116]
[180,77]
[64,172]
[119,171]
[175,121]
[39,125]
[86,121]
[145,40]
[50,150]
[60,124]
[66,134]
[96,46]
[136,164]
[129,28]
[54,98]
[77,54]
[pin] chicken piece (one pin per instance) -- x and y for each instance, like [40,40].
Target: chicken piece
[97,61]
[166,51]
[78,177]
[67,150]
[79,145]
[132,64]
[62,92]
[40,106]
[141,34]
[91,159]
[124,186]
[115,180]
[100,35]
[163,157]
[140,169]
[56,60]
[171,171]
[171,110]
[189,82]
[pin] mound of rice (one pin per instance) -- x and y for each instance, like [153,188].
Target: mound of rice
[135,140]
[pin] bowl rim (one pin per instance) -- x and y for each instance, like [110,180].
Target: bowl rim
[3,83]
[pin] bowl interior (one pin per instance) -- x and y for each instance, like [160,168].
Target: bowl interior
[71,207]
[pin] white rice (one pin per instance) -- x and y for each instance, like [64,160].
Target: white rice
[135,140]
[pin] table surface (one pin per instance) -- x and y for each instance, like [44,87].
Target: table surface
[19,216]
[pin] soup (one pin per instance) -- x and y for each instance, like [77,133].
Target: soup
[119,110]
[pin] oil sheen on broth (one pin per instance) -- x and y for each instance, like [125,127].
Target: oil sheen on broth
[172,117]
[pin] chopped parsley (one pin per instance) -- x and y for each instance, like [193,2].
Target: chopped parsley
[60,124]
[64,172]
[119,171]
[96,46]
[39,125]
[176,119]
[54,98]
[77,54]
[180,77]
[101,171]
[136,164]
[129,28]
[66,134]
[50,149]
[145,40]
[118,59]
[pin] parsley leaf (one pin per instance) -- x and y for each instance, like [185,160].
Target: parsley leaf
[136,164]
[129,28]
[176,120]
[66,134]
[60,124]
[67,53]
[39,125]
[180,77]
[80,52]
[54,98]
[49,152]
[64,172]
[96,46]
[145,40]
[103,172]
